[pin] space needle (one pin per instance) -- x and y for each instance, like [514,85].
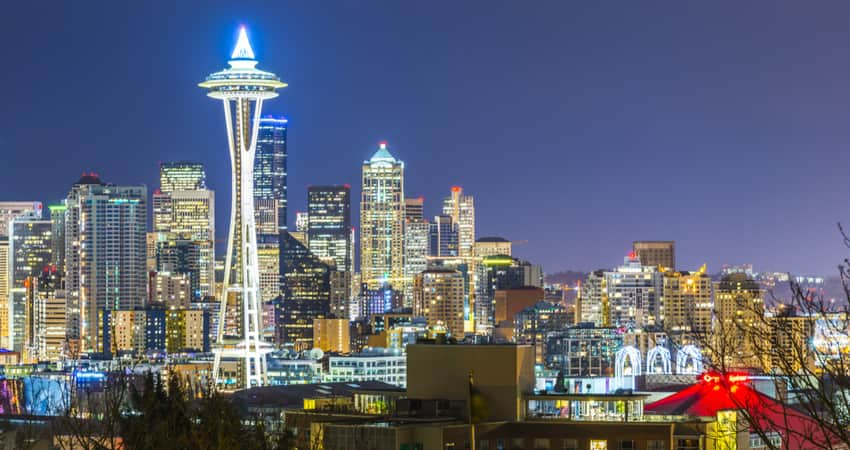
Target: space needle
[239,351]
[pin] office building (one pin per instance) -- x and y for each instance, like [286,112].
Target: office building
[414,208]
[628,296]
[332,335]
[379,300]
[329,224]
[416,251]
[10,210]
[270,197]
[180,256]
[382,220]
[105,228]
[492,246]
[688,304]
[268,257]
[499,272]
[341,295]
[184,209]
[656,253]
[443,237]
[57,219]
[739,322]
[187,330]
[509,302]
[169,290]
[181,176]
[49,316]
[461,208]
[306,292]
[389,366]
[30,251]
[439,296]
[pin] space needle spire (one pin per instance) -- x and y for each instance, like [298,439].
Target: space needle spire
[239,351]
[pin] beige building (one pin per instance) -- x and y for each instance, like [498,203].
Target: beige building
[268,256]
[332,335]
[492,246]
[686,305]
[739,327]
[438,296]
[461,208]
[382,220]
[171,290]
[186,329]
[656,253]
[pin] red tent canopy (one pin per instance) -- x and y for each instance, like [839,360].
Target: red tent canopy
[715,393]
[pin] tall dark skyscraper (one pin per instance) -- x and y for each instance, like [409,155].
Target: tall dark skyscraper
[306,292]
[270,175]
[329,224]
[443,237]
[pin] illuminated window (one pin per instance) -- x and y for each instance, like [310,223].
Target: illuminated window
[598,444]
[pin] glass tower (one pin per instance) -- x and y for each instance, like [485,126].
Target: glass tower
[270,175]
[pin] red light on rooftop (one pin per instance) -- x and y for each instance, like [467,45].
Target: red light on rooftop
[347,186]
[382,144]
[456,189]
[632,255]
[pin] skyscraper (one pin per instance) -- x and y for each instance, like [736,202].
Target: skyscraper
[688,303]
[492,246]
[306,291]
[414,208]
[438,296]
[494,273]
[329,224]
[656,253]
[461,208]
[184,209]
[181,176]
[30,251]
[8,211]
[105,227]
[416,251]
[382,220]
[270,175]
[243,88]
[628,296]
[443,237]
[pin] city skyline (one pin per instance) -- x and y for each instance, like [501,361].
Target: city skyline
[792,228]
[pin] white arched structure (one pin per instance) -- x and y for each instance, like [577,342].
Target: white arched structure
[630,354]
[652,362]
[692,353]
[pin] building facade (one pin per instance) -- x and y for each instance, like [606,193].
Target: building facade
[382,220]
[270,197]
[439,296]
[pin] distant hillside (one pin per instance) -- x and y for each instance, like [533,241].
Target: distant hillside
[566,277]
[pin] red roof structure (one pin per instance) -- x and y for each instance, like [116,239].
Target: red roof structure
[715,392]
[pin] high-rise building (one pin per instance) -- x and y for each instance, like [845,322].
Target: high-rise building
[438,296]
[492,246]
[270,175]
[329,224]
[416,251]
[306,292]
[739,312]
[414,208]
[268,257]
[181,256]
[243,88]
[443,237]
[382,220]
[57,218]
[656,253]
[628,296]
[49,316]
[105,227]
[30,251]
[169,290]
[688,303]
[184,209]
[332,335]
[499,272]
[4,291]
[461,208]
[181,176]
[10,210]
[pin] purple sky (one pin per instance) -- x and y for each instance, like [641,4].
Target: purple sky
[578,126]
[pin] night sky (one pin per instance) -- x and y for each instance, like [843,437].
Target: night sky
[578,126]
